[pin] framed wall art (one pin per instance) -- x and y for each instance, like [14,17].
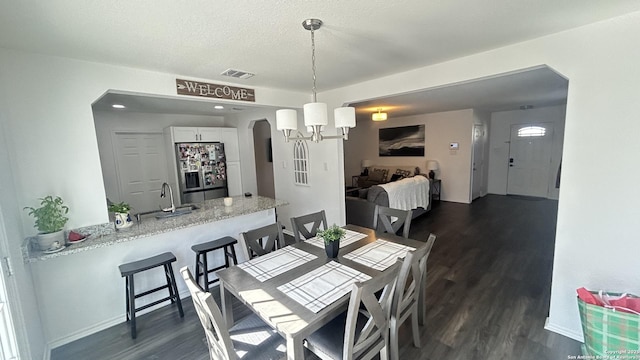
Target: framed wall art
[402,141]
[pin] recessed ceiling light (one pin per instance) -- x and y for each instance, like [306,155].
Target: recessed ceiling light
[218,107]
[118,106]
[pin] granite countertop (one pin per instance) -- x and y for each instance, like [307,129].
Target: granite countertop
[105,234]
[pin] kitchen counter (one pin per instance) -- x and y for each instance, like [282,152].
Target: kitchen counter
[83,291]
[106,235]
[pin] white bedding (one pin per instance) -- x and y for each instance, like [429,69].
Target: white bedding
[409,193]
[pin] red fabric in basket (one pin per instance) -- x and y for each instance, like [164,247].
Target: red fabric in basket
[586,296]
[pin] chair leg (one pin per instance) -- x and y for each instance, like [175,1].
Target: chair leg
[175,291]
[132,307]
[384,352]
[393,341]
[414,327]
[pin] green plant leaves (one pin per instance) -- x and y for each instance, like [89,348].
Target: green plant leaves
[50,215]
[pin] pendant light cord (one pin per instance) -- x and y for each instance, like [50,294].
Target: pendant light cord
[313,63]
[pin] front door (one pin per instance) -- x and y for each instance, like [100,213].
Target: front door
[530,159]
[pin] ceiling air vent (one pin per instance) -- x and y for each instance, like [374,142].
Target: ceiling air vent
[237,74]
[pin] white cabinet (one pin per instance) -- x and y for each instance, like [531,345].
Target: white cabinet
[229,137]
[193,134]
[234,178]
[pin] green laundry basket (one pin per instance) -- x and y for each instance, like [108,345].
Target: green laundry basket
[608,332]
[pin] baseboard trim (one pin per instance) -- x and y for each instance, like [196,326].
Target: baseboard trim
[563,331]
[101,326]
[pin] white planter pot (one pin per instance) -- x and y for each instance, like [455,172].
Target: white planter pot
[46,240]
[123,220]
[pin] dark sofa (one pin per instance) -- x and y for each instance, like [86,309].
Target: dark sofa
[360,209]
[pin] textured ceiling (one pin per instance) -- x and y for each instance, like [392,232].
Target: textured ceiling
[361,39]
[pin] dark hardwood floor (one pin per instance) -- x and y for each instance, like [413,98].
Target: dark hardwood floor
[487,297]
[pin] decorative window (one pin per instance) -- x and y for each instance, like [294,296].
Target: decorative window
[529,131]
[300,163]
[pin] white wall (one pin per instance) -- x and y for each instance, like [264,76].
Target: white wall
[326,187]
[109,122]
[441,129]
[501,135]
[49,106]
[601,127]
[22,298]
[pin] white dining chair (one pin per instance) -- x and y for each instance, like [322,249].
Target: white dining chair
[250,338]
[363,331]
[407,296]
[300,225]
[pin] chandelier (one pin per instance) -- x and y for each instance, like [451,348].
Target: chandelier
[315,113]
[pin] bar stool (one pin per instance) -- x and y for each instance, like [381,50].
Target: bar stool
[129,269]
[202,268]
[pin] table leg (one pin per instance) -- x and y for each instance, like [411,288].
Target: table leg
[227,309]
[295,349]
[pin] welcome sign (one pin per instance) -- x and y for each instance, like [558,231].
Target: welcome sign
[197,88]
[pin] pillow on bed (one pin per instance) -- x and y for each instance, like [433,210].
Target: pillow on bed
[378,175]
[395,177]
[403,173]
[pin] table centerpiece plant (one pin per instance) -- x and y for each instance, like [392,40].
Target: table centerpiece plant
[122,218]
[50,220]
[331,237]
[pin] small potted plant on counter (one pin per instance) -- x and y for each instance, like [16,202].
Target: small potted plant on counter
[331,237]
[50,220]
[121,214]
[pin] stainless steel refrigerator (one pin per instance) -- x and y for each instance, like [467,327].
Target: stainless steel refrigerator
[202,171]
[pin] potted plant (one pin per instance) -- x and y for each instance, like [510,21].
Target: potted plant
[331,237]
[50,220]
[121,214]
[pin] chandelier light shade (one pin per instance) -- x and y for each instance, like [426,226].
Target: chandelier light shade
[379,116]
[315,113]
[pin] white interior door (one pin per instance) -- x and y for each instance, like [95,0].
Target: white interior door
[477,165]
[530,159]
[141,168]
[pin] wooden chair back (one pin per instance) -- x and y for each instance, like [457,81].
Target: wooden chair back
[382,220]
[300,229]
[263,240]
[215,328]
[373,337]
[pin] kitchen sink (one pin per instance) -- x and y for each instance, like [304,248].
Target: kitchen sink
[183,210]
[158,214]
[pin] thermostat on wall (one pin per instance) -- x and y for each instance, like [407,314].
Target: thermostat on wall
[453,146]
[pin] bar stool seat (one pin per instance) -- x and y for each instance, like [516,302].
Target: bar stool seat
[202,267]
[128,270]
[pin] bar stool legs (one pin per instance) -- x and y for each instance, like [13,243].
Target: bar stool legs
[202,266]
[130,269]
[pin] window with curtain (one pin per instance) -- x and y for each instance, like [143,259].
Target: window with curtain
[300,163]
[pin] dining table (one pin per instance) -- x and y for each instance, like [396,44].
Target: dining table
[298,289]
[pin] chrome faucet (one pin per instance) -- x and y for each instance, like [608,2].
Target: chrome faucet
[172,208]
